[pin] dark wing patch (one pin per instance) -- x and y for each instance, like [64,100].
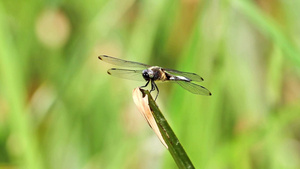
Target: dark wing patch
[121,62]
[127,74]
[191,76]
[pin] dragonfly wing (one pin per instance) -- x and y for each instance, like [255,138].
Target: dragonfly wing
[127,74]
[191,76]
[121,62]
[194,88]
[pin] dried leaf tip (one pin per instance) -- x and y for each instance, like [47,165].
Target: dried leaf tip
[141,101]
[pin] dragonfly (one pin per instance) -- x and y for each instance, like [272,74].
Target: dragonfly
[151,74]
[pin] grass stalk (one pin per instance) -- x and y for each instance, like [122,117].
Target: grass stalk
[173,145]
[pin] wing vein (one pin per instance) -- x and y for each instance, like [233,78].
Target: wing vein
[121,62]
[126,74]
[194,88]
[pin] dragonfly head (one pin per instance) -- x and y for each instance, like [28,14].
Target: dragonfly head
[148,74]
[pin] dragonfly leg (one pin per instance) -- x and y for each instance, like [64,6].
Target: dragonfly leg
[145,84]
[157,91]
[152,86]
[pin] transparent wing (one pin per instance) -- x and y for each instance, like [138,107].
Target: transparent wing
[121,62]
[127,74]
[194,88]
[191,76]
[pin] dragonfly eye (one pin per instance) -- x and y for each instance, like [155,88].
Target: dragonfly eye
[147,74]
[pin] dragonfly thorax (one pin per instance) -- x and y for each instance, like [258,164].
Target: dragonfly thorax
[154,73]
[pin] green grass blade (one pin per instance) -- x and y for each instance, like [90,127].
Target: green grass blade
[269,27]
[14,91]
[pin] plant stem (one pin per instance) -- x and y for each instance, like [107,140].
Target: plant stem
[179,155]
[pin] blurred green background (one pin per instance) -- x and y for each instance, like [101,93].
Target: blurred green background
[60,109]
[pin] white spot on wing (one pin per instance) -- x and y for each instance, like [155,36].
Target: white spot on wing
[172,78]
[182,78]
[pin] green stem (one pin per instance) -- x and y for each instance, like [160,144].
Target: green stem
[179,155]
